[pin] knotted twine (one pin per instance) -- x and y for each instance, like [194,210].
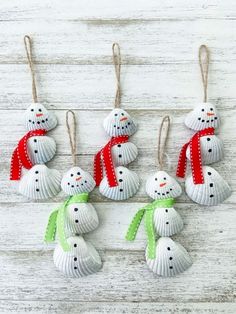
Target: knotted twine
[204,53]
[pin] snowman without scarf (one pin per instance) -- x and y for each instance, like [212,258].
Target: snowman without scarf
[74,256]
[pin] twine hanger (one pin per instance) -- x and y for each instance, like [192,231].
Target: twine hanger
[117,65]
[162,146]
[204,66]
[72,134]
[28,49]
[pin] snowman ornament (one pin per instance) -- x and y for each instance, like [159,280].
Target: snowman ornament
[73,256]
[204,186]
[165,258]
[118,182]
[35,148]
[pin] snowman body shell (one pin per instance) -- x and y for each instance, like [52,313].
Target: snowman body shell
[123,154]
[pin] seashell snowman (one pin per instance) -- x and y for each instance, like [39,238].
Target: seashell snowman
[34,147]
[203,148]
[213,191]
[119,183]
[172,258]
[161,219]
[73,256]
[40,182]
[82,260]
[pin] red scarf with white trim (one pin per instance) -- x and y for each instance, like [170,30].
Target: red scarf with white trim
[104,159]
[195,157]
[20,157]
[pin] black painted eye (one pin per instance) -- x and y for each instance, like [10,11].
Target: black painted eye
[155,179]
[32,109]
[72,175]
[164,178]
[122,114]
[116,114]
[211,109]
[203,109]
[40,110]
[78,173]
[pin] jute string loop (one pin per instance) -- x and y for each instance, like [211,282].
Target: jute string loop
[28,49]
[204,53]
[117,65]
[162,140]
[71,129]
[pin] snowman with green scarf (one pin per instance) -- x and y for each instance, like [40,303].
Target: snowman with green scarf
[74,256]
[164,257]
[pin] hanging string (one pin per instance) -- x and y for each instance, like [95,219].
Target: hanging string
[28,49]
[161,147]
[204,66]
[72,134]
[117,65]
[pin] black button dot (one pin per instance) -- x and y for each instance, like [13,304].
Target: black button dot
[121,190]
[209,173]
[120,180]
[208,139]
[119,145]
[168,248]
[36,172]
[37,190]
[76,221]
[167,223]
[75,209]
[211,185]
[75,259]
[171,267]
[35,140]
[120,156]
[120,172]
[75,245]
[170,258]
[166,210]
[210,150]
[36,180]
[36,151]
[75,267]
[211,195]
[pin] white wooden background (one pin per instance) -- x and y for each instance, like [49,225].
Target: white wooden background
[72,44]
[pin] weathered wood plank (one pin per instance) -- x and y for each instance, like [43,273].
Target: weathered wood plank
[211,229]
[108,10]
[72,42]
[124,277]
[56,307]
[93,86]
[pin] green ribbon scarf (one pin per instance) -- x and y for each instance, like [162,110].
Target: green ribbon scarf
[56,221]
[148,211]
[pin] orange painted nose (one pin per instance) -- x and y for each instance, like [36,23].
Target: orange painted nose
[39,115]
[162,184]
[79,178]
[210,114]
[123,119]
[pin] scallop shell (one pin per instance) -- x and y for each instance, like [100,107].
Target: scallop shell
[41,149]
[40,182]
[77,181]
[119,122]
[128,185]
[80,218]
[205,115]
[167,221]
[161,185]
[38,117]
[213,191]
[212,149]
[80,261]
[171,258]
[123,154]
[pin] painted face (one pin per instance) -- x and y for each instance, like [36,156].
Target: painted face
[203,116]
[76,181]
[161,185]
[119,122]
[37,117]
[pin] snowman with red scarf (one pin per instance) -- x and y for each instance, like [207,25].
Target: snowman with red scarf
[117,182]
[205,186]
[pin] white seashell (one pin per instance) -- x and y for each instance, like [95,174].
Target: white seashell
[119,122]
[161,185]
[128,185]
[212,149]
[38,117]
[171,258]
[123,154]
[80,261]
[77,181]
[80,218]
[213,191]
[203,116]
[40,182]
[41,149]
[167,221]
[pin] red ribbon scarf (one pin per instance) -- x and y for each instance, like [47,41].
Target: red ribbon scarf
[104,158]
[195,157]
[20,157]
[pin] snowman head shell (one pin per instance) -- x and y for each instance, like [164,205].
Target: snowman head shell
[118,123]
[37,117]
[203,116]
[77,181]
[161,185]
